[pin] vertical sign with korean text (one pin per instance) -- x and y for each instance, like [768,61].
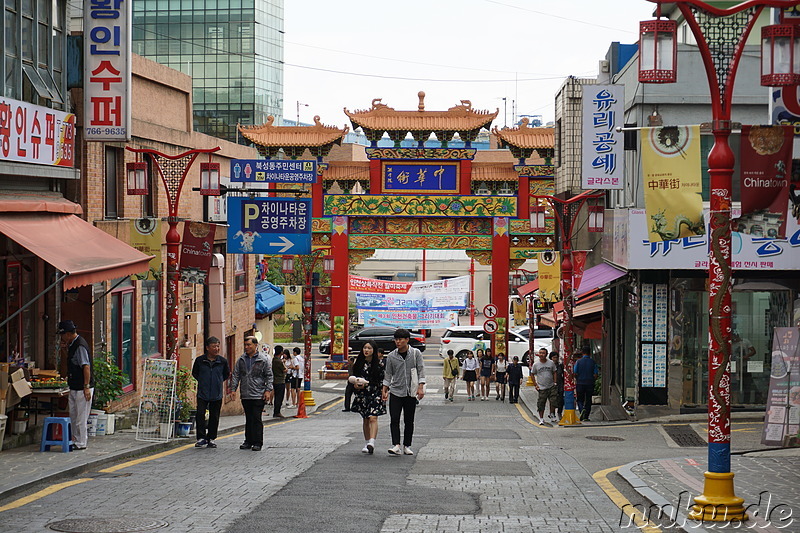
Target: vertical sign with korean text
[782,420]
[35,134]
[603,147]
[107,70]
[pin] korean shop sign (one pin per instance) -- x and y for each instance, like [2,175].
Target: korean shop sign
[603,147]
[107,70]
[35,134]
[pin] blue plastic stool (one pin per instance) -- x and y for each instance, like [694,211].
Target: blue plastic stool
[49,426]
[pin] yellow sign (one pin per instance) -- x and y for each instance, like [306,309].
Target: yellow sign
[550,276]
[146,237]
[293,303]
[672,182]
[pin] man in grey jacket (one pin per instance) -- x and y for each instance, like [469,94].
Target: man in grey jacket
[403,385]
[254,371]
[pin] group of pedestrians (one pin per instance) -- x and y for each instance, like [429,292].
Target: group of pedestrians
[483,367]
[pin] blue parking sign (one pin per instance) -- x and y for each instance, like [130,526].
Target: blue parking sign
[272,226]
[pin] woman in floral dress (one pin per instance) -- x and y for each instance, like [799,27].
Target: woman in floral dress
[367,379]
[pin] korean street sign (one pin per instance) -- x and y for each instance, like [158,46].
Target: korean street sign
[603,146]
[273,171]
[272,226]
[107,70]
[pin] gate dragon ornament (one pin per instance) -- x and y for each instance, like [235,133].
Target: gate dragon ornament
[660,226]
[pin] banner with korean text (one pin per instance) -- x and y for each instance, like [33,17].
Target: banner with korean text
[197,248]
[549,264]
[35,134]
[766,168]
[672,182]
[417,304]
[107,70]
[603,146]
[146,237]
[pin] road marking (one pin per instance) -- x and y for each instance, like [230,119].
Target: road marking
[334,404]
[528,419]
[42,493]
[601,478]
[329,385]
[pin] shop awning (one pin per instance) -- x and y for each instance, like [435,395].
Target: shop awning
[597,276]
[269,298]
[525,290]
[582,309]
[73,246]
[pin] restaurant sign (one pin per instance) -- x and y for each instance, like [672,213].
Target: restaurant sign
[35,134]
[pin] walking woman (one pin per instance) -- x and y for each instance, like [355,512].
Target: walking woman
[470,374]
[500,367]
[368,381]
[487,369]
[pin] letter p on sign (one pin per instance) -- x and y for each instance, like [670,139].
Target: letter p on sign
[250,214]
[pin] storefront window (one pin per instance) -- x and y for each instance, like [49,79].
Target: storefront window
[240,274]
[754,315]
[150,323]
[122,334]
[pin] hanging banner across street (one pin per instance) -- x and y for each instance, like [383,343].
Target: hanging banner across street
[672,182]
[549,275]
[766,168]
[603,146]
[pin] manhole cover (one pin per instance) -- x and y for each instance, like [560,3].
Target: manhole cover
[604,438]
[684,436]
[106,525]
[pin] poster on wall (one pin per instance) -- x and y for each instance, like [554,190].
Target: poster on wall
[647,312]
[782,421]
[672,182]
[660,324]
[648,354]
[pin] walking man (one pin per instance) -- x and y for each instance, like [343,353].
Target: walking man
[514,375]
[450,375]
[554,357]
[544,378]
[278,381]
[403,385]
[210,370]
[585,371]
[80,378]
[254,372]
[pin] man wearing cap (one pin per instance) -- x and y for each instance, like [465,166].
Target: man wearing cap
[80,378]
[403,386]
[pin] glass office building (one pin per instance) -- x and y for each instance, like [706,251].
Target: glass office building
[233,49]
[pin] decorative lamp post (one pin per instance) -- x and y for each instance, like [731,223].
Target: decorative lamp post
[287,264]
[720,34]
[173,171]
[209,179]
[780,54]
[566,225]
[328,264]
[658,50]
[138,183]
[596,217]
[538,219]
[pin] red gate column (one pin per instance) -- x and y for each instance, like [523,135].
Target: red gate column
[340,310]
[501,249]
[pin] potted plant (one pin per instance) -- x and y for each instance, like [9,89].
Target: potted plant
[184,384]
[108,382]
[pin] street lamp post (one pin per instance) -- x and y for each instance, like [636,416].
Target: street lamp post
[299,103]
[566,226]
[173,171]
[720,35]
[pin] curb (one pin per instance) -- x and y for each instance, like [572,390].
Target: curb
[656,500]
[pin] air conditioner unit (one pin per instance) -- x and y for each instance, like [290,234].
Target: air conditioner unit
[605,66]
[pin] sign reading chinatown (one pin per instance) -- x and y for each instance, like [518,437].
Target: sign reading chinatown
[35,134]
[107,70]
[196,251]
[603,146]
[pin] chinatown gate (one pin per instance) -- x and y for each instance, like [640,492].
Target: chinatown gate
[420,198]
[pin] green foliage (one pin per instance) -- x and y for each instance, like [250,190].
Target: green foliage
[108,381]
[184,384]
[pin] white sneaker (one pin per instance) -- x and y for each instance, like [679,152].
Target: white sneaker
[541,421]
[407,450]
[371,445]
[365,449]
[395,450]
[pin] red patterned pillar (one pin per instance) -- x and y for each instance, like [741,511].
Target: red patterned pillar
[465,185]
[340,310]
[375,185]
[501,250]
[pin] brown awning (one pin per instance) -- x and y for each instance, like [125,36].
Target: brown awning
[73,246]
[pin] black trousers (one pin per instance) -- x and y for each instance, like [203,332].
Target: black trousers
[584,397]
[348,395]
[513,392]
[207,431]
[408,406]
[280,392]
[253,426]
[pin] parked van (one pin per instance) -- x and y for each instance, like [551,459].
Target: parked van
[461,339]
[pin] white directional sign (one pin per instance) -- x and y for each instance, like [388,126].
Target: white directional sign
[490,326]
[490,311]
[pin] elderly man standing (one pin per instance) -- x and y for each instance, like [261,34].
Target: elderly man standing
[210,370]
[254,371]
[80,378]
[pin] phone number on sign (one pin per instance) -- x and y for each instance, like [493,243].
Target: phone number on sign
[106,131]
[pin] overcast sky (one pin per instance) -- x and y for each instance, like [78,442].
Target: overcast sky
[345,53]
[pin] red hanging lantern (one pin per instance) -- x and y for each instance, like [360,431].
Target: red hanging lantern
[780,55]
[596,218]
[328,263]
[538,219]
[138,184]
[287,264]
[209,179]
[658,51]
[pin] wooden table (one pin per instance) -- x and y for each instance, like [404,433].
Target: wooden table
[40,395]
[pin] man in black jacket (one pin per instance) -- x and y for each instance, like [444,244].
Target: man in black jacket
[80,378]
[211,371]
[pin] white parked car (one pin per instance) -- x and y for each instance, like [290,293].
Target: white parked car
[460,339]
